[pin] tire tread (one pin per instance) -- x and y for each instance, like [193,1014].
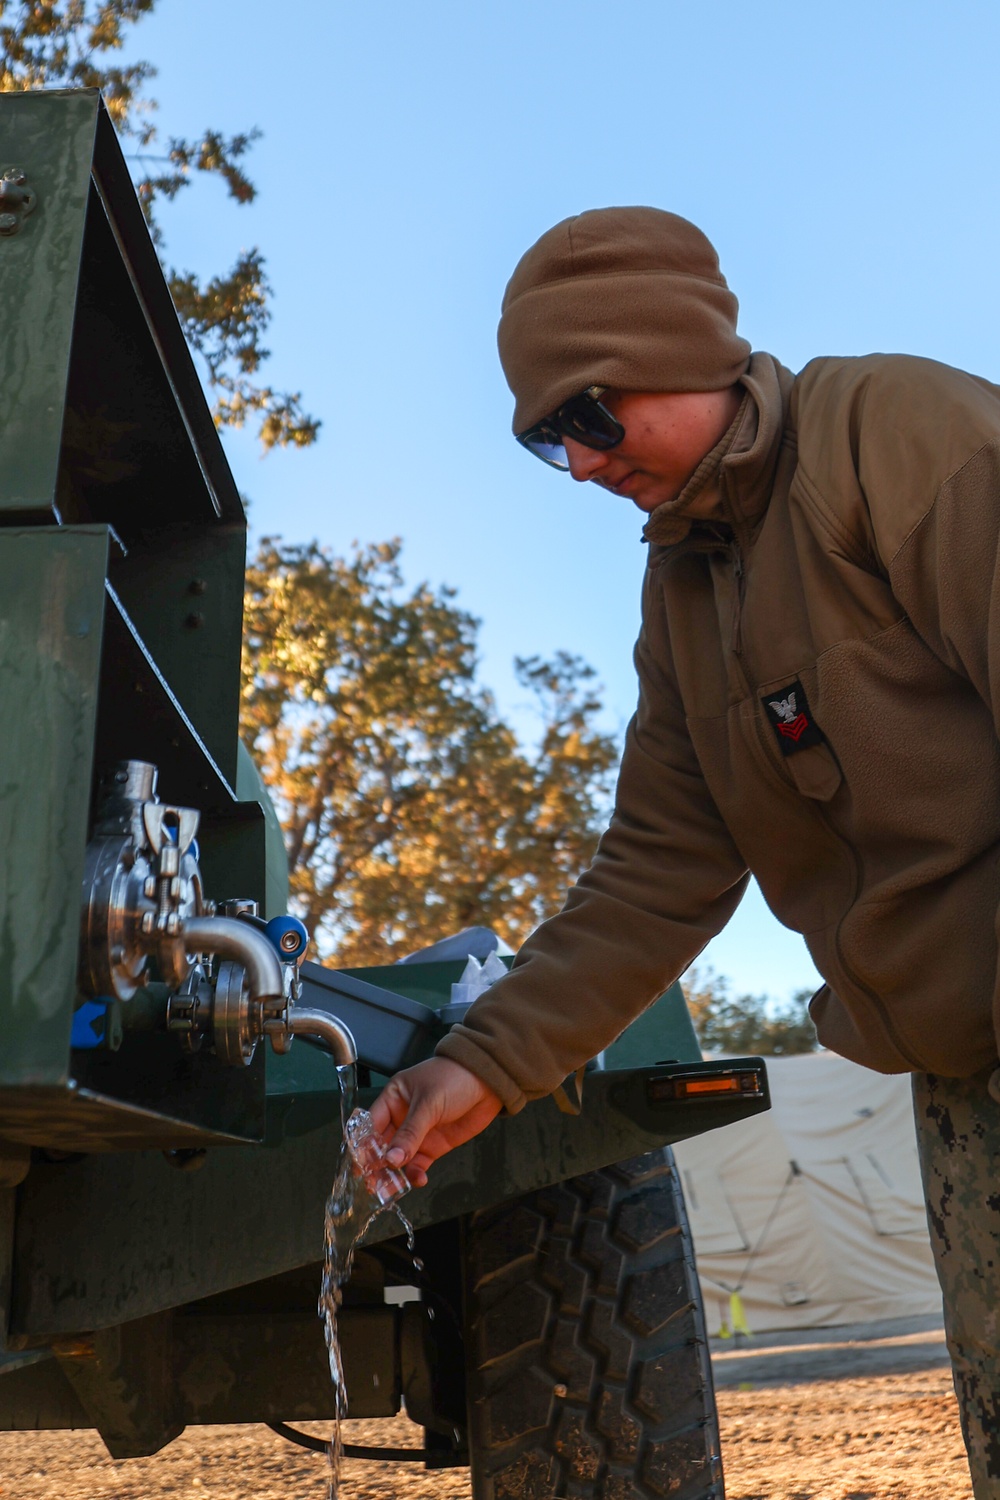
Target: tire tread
[589,1372]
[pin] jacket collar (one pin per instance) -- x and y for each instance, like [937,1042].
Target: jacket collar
[742,464]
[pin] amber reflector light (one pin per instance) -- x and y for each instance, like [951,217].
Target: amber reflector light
[703,1086]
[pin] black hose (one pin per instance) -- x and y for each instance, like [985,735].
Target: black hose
[352,1450]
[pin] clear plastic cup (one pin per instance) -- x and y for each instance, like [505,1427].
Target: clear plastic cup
[368,1151]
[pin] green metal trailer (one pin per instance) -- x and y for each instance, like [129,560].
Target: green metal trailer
[165,1153]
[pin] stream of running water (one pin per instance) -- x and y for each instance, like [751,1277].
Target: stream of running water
[364,1187]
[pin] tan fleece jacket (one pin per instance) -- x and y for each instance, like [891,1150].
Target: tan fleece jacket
[819,690]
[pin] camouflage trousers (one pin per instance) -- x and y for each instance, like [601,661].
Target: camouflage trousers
[958,1137]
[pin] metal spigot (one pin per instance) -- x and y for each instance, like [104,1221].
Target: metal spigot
[251,999]
[324,1028]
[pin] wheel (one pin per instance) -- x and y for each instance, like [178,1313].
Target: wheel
[588,1365]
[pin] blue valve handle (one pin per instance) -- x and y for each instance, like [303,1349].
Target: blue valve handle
[89,1025]
[281,930]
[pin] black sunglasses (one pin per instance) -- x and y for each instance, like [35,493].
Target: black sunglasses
[581,418]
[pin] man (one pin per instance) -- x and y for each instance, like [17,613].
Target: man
[819,686]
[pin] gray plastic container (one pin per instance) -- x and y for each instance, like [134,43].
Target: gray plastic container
[391,1031]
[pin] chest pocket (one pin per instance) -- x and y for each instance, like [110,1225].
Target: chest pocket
[816,772]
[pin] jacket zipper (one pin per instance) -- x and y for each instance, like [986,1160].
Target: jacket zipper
[727,548]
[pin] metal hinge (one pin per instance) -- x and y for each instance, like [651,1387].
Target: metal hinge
[16,200]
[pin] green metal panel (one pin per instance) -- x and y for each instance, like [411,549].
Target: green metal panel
[107,430]
[123,1379]
[51,611]
[182,587]
[75,676]
[243,1367]
[39,1396]
[429,983]
[101,409]
[76,1118]
[39,267]
[112,1238]
[662,1033]
[250,788]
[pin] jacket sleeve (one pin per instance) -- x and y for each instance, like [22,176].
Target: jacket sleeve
[665,879]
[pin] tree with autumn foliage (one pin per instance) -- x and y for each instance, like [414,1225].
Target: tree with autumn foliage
[76,44]
[410,807]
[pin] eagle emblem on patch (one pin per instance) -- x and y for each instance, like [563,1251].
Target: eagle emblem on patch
[788,713]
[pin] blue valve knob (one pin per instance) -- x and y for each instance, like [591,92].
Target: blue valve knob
[89,1025]
[288,935]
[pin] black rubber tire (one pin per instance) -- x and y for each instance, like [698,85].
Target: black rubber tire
[588,1365]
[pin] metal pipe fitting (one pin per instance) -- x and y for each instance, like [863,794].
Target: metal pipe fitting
[229,938]
[325,1028]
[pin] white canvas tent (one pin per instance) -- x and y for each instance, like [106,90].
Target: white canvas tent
[814,1211]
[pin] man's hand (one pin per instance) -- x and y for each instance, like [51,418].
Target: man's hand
[428,1110]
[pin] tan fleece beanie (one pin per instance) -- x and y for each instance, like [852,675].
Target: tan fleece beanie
[631,298]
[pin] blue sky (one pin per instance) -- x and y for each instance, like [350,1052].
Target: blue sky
[842,158]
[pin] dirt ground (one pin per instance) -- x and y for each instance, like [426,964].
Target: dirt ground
[822,1416]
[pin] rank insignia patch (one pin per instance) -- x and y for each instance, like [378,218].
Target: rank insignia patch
[788,712]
